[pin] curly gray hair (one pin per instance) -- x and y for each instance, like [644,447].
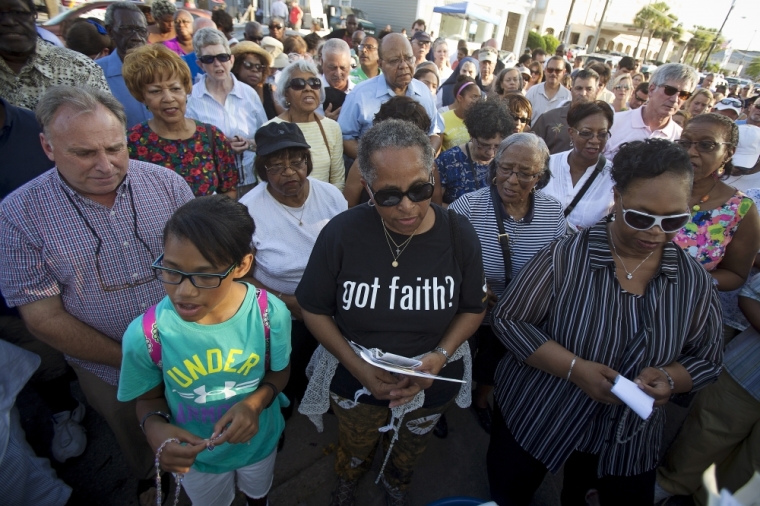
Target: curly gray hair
[532,142]
[161,8]
[209,37]
[286,75]
[393,133]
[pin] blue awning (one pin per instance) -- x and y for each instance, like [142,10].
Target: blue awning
[467,10]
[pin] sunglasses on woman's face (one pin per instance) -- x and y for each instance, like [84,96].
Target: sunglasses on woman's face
[256,67]
[416,193]
[522,119]
[208,59]
[638,220]
[702,146]
[672,90]
[299,83]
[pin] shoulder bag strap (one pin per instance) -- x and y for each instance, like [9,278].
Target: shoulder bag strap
[578,196]
[455,238]
[150,332]
[261,297]
[472,166]
[327,145]
[503,237]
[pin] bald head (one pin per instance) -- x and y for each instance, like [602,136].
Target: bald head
[202,23]
[397,60]
[394,39]
[491,43]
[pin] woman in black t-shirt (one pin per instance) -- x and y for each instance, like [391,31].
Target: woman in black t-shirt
[400,276]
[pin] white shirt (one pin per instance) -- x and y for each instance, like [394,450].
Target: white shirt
[282,245]
[241,114]
[629,126]
[279,9]
[596,202]
[542,103]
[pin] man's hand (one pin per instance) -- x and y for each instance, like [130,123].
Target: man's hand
[333,115]
[238,144]
[596,380]
[655,384]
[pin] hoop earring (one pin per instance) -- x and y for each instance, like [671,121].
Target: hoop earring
[493,182]
[533,190]
[370,203]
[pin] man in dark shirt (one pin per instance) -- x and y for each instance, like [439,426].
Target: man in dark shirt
[552,125]
[345,33]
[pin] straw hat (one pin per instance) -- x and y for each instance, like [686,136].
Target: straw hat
[248,47]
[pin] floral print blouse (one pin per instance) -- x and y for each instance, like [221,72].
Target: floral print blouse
[205,160]
[459,174]
[708,234]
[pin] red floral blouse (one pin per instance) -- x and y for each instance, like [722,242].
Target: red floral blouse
[205,160]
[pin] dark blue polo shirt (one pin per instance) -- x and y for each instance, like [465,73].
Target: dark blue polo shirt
[20,149]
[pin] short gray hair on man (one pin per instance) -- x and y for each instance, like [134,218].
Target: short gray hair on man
[532,142]
[119,6]
[277,18]
[160,8]
[286,75]
[393,133]
[336,47]
[677,72]
[81,99]
[209,37]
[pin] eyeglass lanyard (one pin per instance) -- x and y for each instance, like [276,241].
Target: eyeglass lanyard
[92,230]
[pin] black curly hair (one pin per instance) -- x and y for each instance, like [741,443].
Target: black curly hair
[726,128]
[648,159]
[487,118]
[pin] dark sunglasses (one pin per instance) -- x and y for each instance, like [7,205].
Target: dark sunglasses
[550,70]
[209,58]
[300,83]
[643,221]
[275,27]
[535,73]
[255,39]
[521,119]
[672,90]
[702,146]
[415,193]
[257,67]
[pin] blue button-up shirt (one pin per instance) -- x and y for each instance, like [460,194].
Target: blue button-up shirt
[365,100]
[136,112]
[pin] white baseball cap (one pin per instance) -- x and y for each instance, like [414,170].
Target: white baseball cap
[731,103]
[748,149]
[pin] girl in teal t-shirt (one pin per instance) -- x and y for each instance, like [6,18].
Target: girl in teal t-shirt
[211,380]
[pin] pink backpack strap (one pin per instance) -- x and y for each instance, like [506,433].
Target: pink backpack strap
[261,296]
[150,332]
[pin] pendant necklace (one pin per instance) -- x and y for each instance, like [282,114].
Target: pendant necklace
[704,198]
[628,275]
[399,247]
[299,218]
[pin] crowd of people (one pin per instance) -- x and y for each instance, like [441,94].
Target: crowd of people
[208,233]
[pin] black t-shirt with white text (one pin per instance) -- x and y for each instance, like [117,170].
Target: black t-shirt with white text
[404,310]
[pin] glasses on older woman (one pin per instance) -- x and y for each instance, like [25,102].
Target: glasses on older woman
[280,168]
[523,177]
[208,59]
[299,83]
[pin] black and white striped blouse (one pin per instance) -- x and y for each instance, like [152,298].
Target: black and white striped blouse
[569,293]
[543,223]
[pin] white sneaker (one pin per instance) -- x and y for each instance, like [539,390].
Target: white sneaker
[69,439]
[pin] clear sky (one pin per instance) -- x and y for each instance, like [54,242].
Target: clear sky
[740,28]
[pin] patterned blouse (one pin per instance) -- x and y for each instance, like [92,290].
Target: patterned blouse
[708,234]
[207,166]
[459,174]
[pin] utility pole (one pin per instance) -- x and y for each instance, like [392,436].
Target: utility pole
[599,27]
[566,38]
[717,35]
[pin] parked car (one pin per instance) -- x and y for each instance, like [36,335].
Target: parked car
[575,50]
[337,16]
[59,24]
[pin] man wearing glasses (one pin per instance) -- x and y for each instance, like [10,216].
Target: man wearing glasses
[671,85]
[368,61]
[753,113]
[361,105]
[76,245]
[639,97]
[550,94]
[126,25]
[29,68]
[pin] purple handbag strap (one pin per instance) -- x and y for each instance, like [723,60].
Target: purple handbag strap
[153,342]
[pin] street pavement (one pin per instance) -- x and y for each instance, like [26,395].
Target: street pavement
[304,474]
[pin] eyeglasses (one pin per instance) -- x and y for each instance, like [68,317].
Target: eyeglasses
[295,166]
[588,135]
[484,146]
[416,193]
[638,220]
[522,177]
[640,99]
[17,16]
[535,73]
[256,67]
[298,83]
[702,146]
[624,88]
[275,27]
[198,279]
[181,22]
[672,90]
[396,62]
[208,59]
[521,119]
[550,70]
[367,47]
[127,30]
[422,42]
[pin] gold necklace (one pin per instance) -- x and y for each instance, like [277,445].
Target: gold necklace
[400,248]
[299,218]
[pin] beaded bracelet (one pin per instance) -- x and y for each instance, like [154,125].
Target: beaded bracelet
[670,379]
[177,477]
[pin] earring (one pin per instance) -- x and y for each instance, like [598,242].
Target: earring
[571,143]
[533,190]
[370,203]
[148,108]
[494,181]
[721,170]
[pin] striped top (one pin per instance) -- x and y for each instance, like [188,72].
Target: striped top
[569,293]
[544,223]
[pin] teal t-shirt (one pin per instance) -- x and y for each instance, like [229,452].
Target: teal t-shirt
[209,368]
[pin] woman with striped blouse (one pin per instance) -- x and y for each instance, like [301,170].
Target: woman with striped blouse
[618,298]
[532,220]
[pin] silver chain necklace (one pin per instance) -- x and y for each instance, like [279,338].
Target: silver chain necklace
[299,218]
[628,275]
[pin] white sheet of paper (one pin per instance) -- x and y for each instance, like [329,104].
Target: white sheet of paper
[630,393]
[367,355]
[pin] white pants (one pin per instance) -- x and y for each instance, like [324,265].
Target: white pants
[207,489]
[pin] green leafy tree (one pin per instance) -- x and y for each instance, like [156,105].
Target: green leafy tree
[551,42]
[701,41]
[655,20]
[753,69]
[535,41]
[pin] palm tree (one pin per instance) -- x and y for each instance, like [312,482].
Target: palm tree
[652,18]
